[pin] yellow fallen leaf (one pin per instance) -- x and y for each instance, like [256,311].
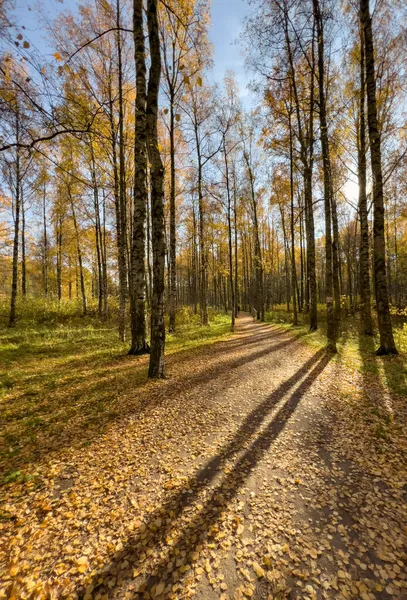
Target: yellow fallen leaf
[246,574]
[60,568]
[14,570]
[258,570]
[88,592]
[274,575]
[160,588]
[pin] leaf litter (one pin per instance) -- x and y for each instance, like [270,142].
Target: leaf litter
[255,471]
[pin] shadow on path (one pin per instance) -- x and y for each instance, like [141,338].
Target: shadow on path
[248,446]
[111,394]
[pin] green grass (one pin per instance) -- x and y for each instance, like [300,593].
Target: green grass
[355,351]
[190,334]
[65,378]
[371,399]
[62,382]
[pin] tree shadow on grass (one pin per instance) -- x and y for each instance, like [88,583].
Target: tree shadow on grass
[384,388]
[213,486]
[65,355]
[90,395]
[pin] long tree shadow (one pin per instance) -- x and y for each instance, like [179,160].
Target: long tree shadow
[394,368]
[345,506]
[352,487]
[373,385]
[384,388]
[99,399]
[247,448]
[67,361]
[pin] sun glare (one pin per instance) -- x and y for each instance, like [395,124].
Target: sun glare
[351,190]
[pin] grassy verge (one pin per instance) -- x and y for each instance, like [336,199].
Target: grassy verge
[355,351]
[370,399]
[62,382]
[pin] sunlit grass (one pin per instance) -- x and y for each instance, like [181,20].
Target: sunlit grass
[62,382]
[355,351]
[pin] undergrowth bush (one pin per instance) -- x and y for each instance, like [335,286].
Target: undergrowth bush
[42,322]
[50,312]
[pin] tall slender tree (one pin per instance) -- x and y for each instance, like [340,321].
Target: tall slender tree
[364,259]
[139,344]
[157,364]
[387,345]
[328,185]
[122,208]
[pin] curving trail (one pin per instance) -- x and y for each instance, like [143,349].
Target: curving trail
[250,473]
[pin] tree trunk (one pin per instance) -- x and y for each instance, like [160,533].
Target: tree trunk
[293,268]
[306,139]
[121,256]
[203,283]
[328,187]
[173,240]
[286,253]
[157,364]
[69,277]
[149,281]
[336,266]
[104,257]
[195,263]
[59,258]
[14,280]
[79,254]
[364,260]
[301,285]
[23,249]
[45,241]
[387,345]
[236,307]
[122,230]
[230,244]
[258,263]
[139,344]
[97,230]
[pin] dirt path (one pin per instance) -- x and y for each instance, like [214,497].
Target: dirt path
[248,473]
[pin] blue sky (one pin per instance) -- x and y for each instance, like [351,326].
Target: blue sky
[27,14]
[227,23]
[227,19]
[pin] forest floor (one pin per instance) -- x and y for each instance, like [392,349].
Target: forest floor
[261,468]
